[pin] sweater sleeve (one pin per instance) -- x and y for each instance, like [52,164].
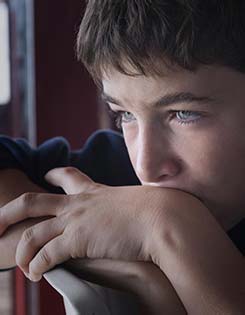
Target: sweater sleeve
[104,158]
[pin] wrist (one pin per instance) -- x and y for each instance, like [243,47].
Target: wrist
[179,217]
[206,275]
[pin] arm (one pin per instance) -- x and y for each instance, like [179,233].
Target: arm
[203,265]
[178,233]
[145,281]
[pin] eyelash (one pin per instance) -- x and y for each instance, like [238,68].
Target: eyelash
[183,122]
[117,116]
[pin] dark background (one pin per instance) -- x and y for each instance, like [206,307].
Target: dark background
[66,96]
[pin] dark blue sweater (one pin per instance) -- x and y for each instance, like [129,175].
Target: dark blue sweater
[104,158]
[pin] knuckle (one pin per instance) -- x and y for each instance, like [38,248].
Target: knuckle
[44,257]
[28,235]
[27,199]
[63,205]
[70,170]
[77,242]
[72,216]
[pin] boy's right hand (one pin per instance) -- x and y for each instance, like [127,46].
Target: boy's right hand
[145,280]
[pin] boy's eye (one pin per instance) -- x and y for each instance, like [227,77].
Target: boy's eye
[185,116]
[182,117]
[126,117]
[120,117]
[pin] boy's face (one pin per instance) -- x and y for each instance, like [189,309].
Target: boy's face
[186,131]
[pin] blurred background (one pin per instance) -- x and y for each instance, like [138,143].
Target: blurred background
[44,92]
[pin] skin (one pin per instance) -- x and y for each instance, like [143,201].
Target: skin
[205,157]
[159,225]
[169,158]
[148,284]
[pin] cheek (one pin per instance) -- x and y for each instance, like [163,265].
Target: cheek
[217,170]
[212,158]
[215,158]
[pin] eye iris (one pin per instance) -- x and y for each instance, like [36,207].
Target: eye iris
[185,115]
[127,116]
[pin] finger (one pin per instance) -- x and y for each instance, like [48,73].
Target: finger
[53,253]
[34,238]
[30,205]
[70,179]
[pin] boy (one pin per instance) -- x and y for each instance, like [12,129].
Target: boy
[172,73]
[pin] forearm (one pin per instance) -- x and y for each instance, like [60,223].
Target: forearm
[156,294]
[144,280]
[202,264]
[13,183]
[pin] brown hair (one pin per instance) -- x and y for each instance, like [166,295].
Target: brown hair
[182,32]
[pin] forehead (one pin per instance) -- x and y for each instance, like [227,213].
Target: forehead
[215,81]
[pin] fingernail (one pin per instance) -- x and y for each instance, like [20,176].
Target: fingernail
[35,278]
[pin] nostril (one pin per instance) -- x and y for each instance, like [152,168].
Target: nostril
[157,172]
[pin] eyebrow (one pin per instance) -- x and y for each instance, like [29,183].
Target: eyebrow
[168,99]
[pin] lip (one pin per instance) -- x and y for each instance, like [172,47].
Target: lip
[162,185]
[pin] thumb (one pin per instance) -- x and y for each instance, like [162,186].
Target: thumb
[70,179]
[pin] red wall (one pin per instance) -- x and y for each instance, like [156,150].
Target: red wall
[66,97]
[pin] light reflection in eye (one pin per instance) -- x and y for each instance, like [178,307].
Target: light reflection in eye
[127,116]
[186,117]
[182,117]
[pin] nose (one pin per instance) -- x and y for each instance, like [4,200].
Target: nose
[156,161]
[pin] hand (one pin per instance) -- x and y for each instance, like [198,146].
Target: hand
[98,221]
[94,221]
[145,281]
